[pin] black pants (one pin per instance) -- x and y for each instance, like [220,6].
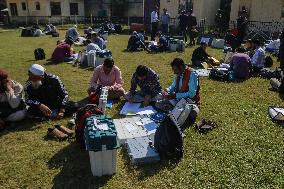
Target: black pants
[154,30]
[183,31]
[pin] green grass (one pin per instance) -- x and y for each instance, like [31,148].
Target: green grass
[245,151]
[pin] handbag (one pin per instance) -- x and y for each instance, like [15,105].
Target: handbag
[276,113]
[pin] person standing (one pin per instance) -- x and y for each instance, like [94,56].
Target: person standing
[154,23]
[183,19]
[192,31]
[165,20]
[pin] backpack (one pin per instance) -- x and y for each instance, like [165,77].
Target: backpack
[80,117]
[268,62]
[39,54]
[218,75]
[168,140]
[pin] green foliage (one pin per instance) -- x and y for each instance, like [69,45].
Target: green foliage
[245,151]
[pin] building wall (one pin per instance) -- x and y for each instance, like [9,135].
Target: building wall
[206,9]
[259,10]
[171,6]
[45,7]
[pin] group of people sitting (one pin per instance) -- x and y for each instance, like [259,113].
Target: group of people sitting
[40,103]
[244,62]
[64,51]
[137,42]
[48,30]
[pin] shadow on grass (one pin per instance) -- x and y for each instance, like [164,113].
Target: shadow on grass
[148,170]
[75,169]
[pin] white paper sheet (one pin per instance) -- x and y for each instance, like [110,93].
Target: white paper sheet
[135,108]
[102,127]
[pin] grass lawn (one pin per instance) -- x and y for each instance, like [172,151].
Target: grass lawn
[245,151]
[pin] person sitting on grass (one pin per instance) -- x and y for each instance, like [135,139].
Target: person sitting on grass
[135,42]
[241,64]
[72,33]
[258,58]
[98,40]
[107,75]
[200,55]
[185,86]
[63,52]
[46,95]
[12,106]
[162,43]
[149,83]
[91,46]
[47,30]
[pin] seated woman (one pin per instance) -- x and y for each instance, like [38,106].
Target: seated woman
[135,42]
[12,106]
[63,52]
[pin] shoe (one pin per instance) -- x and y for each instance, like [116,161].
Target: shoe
[64,130]
[55,133]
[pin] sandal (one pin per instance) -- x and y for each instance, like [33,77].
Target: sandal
[64,130]
[205,126]
[55,133]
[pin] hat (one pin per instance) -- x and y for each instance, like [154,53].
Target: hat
[37,70]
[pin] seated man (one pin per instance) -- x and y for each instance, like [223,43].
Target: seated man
[63,52]
[200,55]
[162,43]
[91,46]
[258,58]
[12,106]
[97,40]
[53,28]
[38,33]
[149,83]
[135,42]
[46,95]
[241,64]
[47,30]
[108,75]
[72,33]
[184,86]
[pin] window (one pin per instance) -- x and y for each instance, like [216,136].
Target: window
[24,7]
[13,9]
[55,8]
[282,11]
[74,9]
[37,5]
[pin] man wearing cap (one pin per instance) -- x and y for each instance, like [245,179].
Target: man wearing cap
[72,33]
[192,31]
[63,52]
[97,40]
[183,19]
[200,55]
[46,95]
[165,20]
[154,23]
[12,106]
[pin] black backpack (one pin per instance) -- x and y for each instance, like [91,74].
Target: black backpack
[268,62]
[218,75]
[39,54]
[168,140]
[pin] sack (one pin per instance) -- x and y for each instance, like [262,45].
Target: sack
[219,75]
[276,113]
[39,54]
[91,58]
[168,140]
[55,34]
[27,32]
[268,62]
[181,112]
[80,117]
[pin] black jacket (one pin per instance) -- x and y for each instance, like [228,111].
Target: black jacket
[52,93]
[199,54]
